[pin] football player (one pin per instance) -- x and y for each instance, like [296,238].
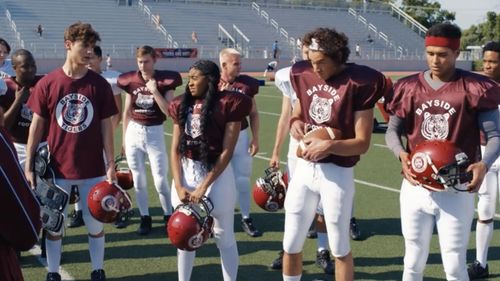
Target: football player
[19,88]
[282,81]
[149,93]
[206,127]
[488,191]
[341,95]
[75,105]
[19,229]
[232,80]
[111,76]
[5,65]
[441,103]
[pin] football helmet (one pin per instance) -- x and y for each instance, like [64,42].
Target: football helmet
[191,225]
[108,202]
[269,191]
[42,160]
[123,173]
[439,165]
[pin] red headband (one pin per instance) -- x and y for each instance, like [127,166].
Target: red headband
[452,43]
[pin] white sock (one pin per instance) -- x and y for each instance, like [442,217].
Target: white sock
[244,200]
[53,250]
[96,250]
[291,278]
[78,206]
[229,262]
[484,231]
[322,241]
[185,263]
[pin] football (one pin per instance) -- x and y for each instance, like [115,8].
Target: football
[323,133]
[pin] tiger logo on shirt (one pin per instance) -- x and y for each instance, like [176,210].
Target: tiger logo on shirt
[320,109]
[435,126]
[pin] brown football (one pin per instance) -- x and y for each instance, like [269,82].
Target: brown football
[323,133]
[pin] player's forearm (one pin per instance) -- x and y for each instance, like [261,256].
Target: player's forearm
[107,140]
[393,135]
[10,115]
[36,131]
[115,119]
[175,157]
[363,126]
[162,102]
[254,126]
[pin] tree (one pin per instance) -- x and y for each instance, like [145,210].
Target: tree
[478,35]
[428,14]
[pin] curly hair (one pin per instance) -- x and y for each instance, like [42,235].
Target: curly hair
[332,43]
[211,71]
[80,31]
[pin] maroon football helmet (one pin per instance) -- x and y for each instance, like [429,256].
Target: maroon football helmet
[190,225]
[439,165]
[108,202]
[123,173]
[269,191]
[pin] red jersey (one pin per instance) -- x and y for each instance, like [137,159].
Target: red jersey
[74,110]
[332,103]
[230,107]
[448,113]
[20,129]
[246,85]
[20,222]
[145,110]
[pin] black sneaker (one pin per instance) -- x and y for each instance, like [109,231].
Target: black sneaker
[312,234]
[476,271]
[97,275]
[53,276]
[146,225]
[165,220]
[354,230]
[249,228]
[278,262]
[76,219]
[324,261]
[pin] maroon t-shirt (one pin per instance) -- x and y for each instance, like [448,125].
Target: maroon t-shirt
[332,103]
[74,110]
[246,85]
[448,113]
[145,110]
[20,223]
[20,129]
[230,107]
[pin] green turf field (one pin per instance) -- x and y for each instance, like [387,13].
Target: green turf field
[379,256]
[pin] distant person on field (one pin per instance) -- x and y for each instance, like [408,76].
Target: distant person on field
[109,65]
[39,30]
[271,66]
[275,49]
[358,50]
[194,37]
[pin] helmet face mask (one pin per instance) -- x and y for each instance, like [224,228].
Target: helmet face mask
[439,165]
[123,173]
[269,191]
[191,225]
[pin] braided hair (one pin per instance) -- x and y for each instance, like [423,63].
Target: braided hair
[211,71]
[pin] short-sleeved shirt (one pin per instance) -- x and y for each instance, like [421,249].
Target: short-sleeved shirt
[74,110]
[448,113]
[333,103]
[246,85]
[230,107]
[112,77]
[282,81]
[6,69]
[145,110]
[20,129]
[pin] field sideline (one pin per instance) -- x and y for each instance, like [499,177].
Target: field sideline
[379,256]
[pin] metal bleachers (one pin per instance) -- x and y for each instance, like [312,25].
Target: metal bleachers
[121,27]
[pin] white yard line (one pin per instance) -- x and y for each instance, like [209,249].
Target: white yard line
[65,276]
[380,145]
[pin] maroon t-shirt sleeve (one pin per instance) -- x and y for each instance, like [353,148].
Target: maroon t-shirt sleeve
[168,80]
[237,106]
[484,95]
[21,226]
[371,88]
[107,103]
[37,101]
[123,81]
[173,109]
[253,85]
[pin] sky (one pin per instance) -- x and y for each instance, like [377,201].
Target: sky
[469,12]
